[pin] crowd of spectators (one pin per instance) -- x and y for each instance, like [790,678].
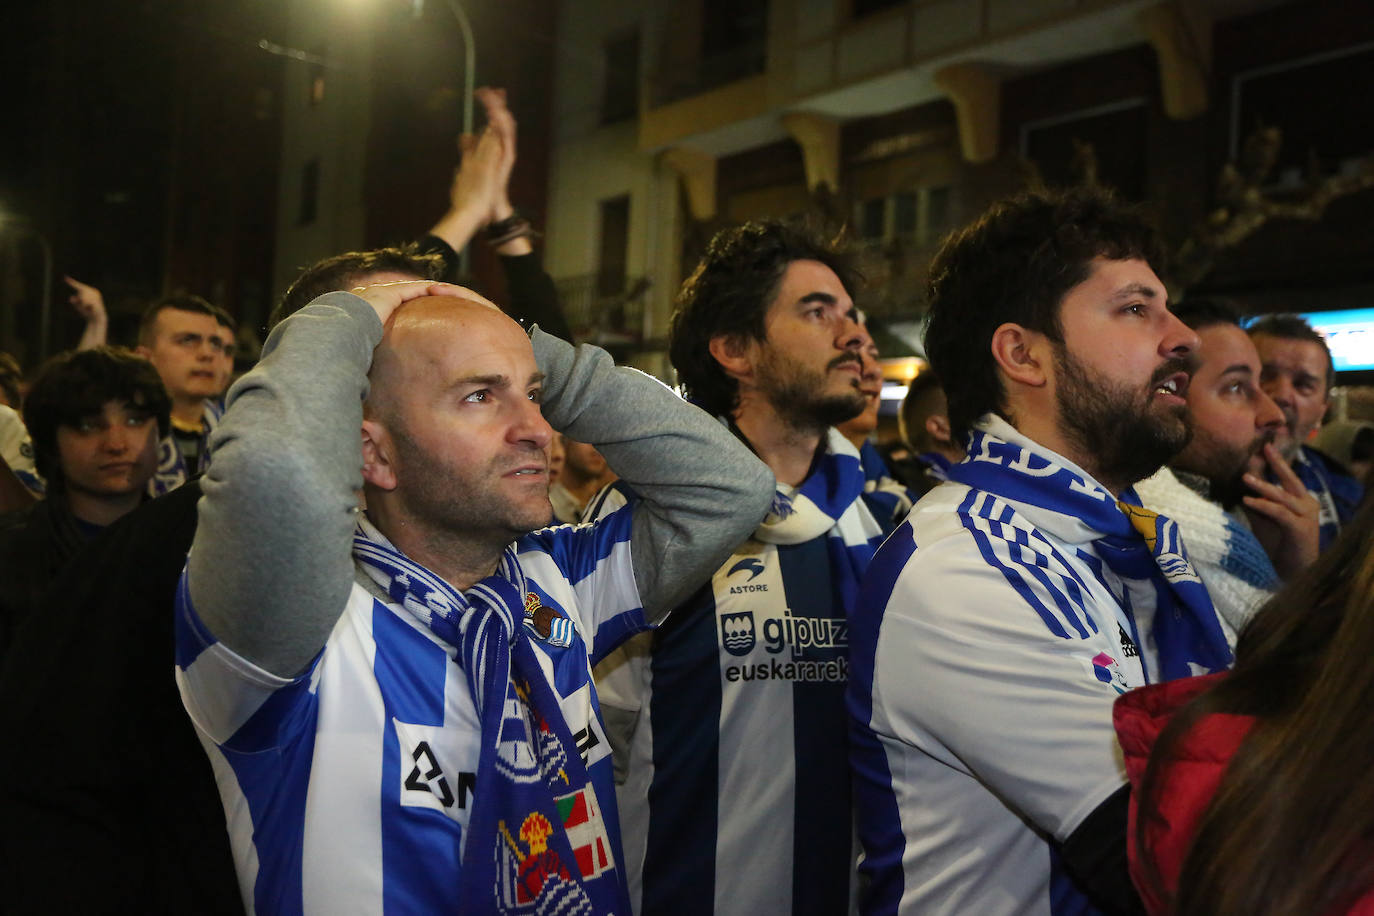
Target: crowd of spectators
[432,610]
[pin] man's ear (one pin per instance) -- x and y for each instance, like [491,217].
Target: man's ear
[937,425]
[379,466]
[733,353]
[1021,354]
[144,352]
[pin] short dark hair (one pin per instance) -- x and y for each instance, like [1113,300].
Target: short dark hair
[181,304]
[1015,263]
[729,293]
[73,385]
[10,378]
[342,271]
[1295,327]
[922,395]
[1202,313]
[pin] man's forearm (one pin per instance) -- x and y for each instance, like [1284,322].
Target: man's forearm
[271,566]
[701,490]
[1095,855]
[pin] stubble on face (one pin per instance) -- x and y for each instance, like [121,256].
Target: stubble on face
[1222,464]
[1125,433]
[465,502]
[799,393]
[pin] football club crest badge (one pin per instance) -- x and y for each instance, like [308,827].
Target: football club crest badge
[546,623]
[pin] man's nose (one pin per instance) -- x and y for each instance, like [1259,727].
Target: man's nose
[116,440]
[1179,340]
[530,426]
[1268,416]
[852,334]
[1280,389]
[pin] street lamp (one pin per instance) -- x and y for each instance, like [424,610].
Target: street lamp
[469,56]
[469,85]
[45,309]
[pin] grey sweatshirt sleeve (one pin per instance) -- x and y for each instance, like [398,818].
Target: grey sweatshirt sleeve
[701,490]
[271,564]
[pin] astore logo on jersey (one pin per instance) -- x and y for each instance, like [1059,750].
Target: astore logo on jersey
[751,565]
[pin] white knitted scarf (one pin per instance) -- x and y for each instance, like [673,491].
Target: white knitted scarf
[1237,572]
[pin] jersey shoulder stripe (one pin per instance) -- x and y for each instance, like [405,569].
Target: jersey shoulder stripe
[1027,567]
[579,549]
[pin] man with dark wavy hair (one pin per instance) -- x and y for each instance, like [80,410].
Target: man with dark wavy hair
[998,624]
[729,720]
[95,417]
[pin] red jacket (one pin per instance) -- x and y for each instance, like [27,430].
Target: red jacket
[1187,782]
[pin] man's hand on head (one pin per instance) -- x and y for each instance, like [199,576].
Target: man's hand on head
[1285,517]
[385,298]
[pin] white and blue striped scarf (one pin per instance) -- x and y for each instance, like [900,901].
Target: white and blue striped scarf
[529,761]
[1134,542]
[829,503]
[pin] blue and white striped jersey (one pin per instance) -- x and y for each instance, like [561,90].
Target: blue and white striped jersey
[348,788]
[737,792]
[987,649]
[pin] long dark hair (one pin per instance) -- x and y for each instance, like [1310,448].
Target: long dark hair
[1290,827]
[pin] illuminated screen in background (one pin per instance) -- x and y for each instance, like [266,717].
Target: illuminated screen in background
[1349,335]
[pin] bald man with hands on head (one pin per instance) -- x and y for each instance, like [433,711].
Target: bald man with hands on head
[398,703]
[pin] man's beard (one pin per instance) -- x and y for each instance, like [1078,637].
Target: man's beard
[1223,466]
[799,396]
[463,502]
[1114,425]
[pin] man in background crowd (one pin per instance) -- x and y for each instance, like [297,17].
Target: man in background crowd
[1298,375]
[583,474]
[924,424]
[1215,488]
[95,417]
[191,344]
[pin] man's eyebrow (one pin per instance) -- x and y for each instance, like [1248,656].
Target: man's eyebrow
[1240,368]
[1135,289]
[818,296]
[536,378]
[486,381]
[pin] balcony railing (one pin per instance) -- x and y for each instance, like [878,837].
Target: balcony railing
[607,311]
[894,273]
